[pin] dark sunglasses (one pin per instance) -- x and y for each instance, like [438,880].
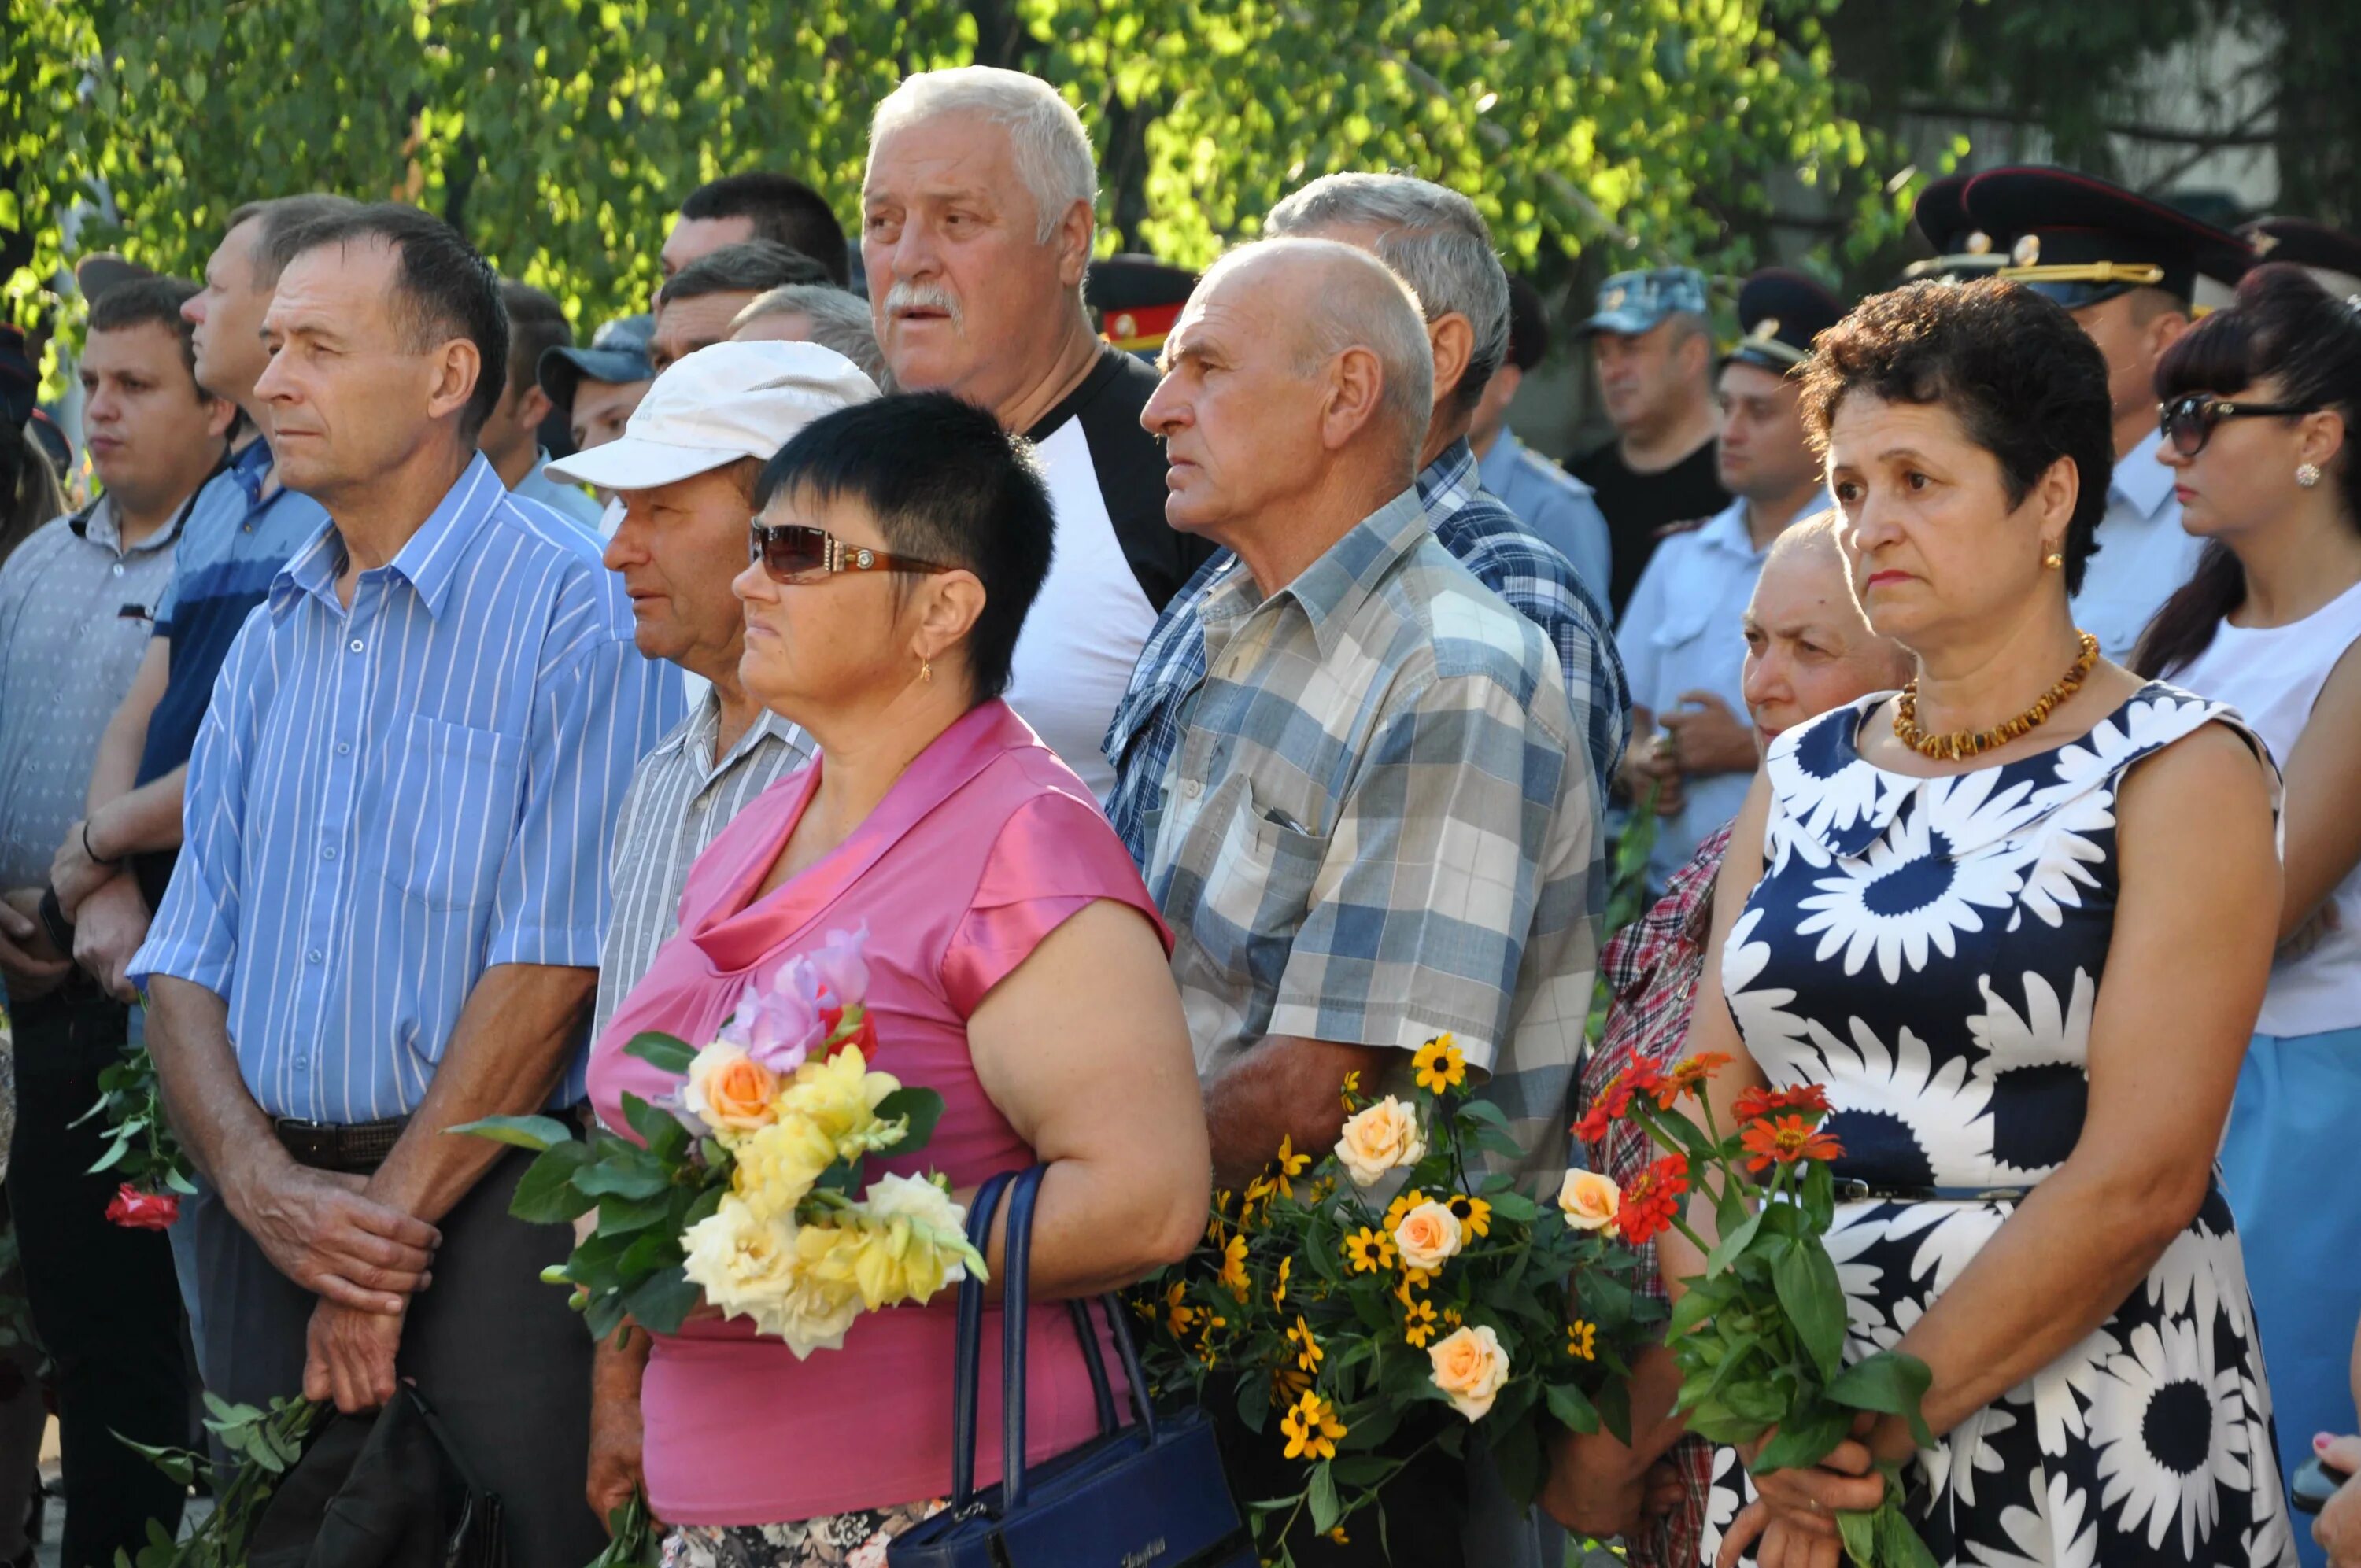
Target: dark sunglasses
[2187,421]
[796,552]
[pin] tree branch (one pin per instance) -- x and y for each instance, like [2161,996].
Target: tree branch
[2210,141]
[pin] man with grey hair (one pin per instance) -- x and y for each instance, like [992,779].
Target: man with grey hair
[976,223]
[1437,241]
[1375,826]
[836,319]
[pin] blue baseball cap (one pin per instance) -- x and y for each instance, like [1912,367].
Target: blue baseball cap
[1632,302]
[618,352]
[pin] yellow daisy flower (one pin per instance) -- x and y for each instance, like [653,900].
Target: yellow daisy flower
[1402,1205]
[1288,1163]
[1339,1537]
[1233,1267]
[1279,1291]
[1311,1429]
[1307,1354]
[1582,1339]
[1351,1089]
[1418,1323]
[1178,1317]
[1438,1064]
[1474,1214]
[1371,1252]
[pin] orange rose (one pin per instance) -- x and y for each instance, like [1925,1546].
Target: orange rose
[1382,1137]
[730,1091]
[1470,1366]
[1589,1200]
[1428,1234]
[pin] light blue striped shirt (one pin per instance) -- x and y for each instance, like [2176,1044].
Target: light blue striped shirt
[386,801]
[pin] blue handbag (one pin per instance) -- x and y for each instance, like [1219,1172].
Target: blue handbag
[1148,1495]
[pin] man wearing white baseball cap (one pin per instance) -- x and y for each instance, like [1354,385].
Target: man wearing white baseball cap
[685,469]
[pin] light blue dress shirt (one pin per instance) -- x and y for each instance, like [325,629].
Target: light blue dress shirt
[1554,504]
[570,500]
[2143,555]
[1683,632]
[386,801]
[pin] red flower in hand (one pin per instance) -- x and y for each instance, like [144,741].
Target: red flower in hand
[863,1035]
[1650,1202]
[1755,1104]
[138,1210]
[1640,1078]
[1688,1076]
[1784,1141]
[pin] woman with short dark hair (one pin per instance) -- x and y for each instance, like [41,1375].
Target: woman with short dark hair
[1969,910]
[2258,410]
[1015,965]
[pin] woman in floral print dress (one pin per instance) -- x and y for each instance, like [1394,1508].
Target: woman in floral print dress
[2025,966]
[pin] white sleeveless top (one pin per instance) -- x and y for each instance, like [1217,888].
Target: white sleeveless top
[2273,675]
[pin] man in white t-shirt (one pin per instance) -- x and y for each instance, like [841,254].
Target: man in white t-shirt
[975,232]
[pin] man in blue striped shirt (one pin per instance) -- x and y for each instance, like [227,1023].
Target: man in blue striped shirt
[385,917]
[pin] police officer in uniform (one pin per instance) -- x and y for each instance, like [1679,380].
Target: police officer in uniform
[2127,269]
[1682,638]
[2333,259]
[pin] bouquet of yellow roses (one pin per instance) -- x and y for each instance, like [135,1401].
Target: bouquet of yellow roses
[745,1186]
[1352,1325]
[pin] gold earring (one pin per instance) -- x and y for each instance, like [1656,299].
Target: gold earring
[2055,561]
[925,668]
[2306,474]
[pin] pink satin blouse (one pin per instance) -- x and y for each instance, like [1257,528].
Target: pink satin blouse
[982,848]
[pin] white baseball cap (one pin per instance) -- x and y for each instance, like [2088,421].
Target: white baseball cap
[716,406]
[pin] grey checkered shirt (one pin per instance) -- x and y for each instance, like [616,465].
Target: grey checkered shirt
[1378,824]
[679,802]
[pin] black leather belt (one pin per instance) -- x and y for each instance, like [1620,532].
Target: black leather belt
[1851,1190]
[357,1149]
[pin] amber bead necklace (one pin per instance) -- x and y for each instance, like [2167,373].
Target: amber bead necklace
[1960,745]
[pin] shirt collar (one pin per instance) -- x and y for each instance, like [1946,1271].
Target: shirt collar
[428,562]
[1333,588]
[694,737]
[2140,479]
[1726,529]
[251,469]
[1449,482]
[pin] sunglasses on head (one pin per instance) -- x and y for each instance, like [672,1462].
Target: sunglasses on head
[797,553]
[2187,421]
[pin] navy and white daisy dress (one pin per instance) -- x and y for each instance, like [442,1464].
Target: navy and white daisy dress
[1931,950]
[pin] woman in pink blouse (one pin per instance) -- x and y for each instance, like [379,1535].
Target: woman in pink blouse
[1016,965]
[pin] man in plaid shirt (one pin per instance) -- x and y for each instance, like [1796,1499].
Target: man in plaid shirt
[1436,240]
[1377,826]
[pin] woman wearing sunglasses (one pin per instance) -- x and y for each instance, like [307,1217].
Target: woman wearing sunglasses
[1015,965]
[2260,404]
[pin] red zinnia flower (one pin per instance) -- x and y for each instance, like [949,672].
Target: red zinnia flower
[1650,1202]
[1786,1141]
[1640,1078]
[1755,1103]
[1687,1075]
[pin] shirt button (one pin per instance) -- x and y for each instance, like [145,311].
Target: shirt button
[329,853]
[118,569]
[1192,788]
[356,645]
[343,747]
[313,957]
[302,1064]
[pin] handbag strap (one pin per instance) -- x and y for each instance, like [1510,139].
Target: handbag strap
[1015,1296]
[969,1353]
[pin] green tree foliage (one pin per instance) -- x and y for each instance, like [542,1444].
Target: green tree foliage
[558,134]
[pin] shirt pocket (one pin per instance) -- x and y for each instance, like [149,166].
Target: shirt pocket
[452,805]
[1259,877]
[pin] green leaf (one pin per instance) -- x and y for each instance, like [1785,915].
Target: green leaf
[663,1052]
[648,1121]
[1514,1206]
[663,1301]
[623,1216]
[922,1107]
[534,1133]
[622,1178]
[1325,1507]
[1860,1533]
[1898,1542]
[1573,1410]
[1731,1244]
[1805,1441]
[1813,1302]
[545,1193]
[1889,1382]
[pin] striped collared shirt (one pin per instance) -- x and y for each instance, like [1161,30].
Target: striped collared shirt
[1483,536]
[680,798]
[1380,824]
[386,801]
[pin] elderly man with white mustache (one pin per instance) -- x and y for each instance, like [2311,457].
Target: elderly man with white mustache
[975,232]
